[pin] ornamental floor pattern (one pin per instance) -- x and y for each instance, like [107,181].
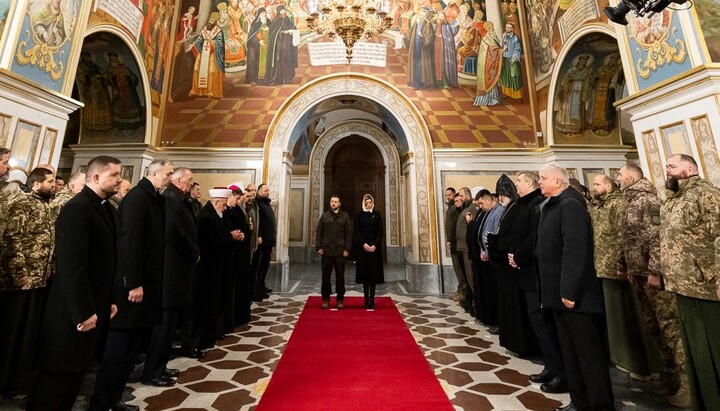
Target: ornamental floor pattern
[475,372]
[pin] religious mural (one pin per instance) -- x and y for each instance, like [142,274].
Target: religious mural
[708,13]
[658,47]
[590,80]
[242,50]
[108,83]
[5,6]
[45,47]
[551,22]
[154,38]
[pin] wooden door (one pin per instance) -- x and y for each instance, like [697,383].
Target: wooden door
[355,167]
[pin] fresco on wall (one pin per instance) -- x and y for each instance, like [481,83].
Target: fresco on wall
[46,42]
[5,6]
[251,58]
[154,40]
[108,83]
[589,82]
[708,13]
[551,22]
[658,47]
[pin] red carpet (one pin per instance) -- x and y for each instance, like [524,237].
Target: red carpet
[352,359]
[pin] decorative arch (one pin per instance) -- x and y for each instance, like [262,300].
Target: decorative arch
[122,35]
[391,157]
[277,162]
[567,46]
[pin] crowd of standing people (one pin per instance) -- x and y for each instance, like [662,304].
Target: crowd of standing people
[97,272]
[588,278]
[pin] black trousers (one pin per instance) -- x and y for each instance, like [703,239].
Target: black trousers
[543,324]
[584,350]
[327,264]
[260,266]
[120,350]
[55,391]
[160,344]
[486,295]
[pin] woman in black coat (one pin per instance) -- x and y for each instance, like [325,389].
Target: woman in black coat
[368,243]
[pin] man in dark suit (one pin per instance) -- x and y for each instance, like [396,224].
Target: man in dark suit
[138,283]
[79,305]
[569,287]
[267,237]
[181,253]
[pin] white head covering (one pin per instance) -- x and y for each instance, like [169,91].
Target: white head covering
[219,193]
[363,202]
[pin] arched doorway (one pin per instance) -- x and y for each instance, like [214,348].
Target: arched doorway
[355,167]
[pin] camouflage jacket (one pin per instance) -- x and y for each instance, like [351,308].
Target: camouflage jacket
[62,197]
[608,213]
[641,251]
[690,239]
[28,242]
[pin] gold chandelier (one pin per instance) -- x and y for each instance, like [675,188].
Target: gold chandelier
[349,20]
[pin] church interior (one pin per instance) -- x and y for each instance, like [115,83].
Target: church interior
[439,94]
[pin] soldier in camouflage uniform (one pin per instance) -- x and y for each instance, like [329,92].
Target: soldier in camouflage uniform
[25,261]
[608,211]
[690,259]
[74,186]
[640,261]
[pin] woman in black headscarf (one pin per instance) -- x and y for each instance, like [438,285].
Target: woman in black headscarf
[368,242]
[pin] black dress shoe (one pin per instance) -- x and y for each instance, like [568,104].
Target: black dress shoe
[569,407]
[555,386]
[121,406]
[494,330]
[171,372]
[543,376]
[268,290]
[159,382]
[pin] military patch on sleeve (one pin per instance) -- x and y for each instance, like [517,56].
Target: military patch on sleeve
[654,213]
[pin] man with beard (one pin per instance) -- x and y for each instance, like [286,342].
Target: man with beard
[333,243]
[640,261]
[569,287]
[138,284]
[26,250]
[450,220]
[282,53]
[608,211]
[267,237]
[461,226]
[232,278]
[255,43]
[79,305]
[521,222]
[690,258]
[209,69]
[181,253]
[194,197]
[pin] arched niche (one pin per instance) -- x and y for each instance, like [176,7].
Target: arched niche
[113,85]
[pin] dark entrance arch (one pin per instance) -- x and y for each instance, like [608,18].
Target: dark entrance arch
[354,167]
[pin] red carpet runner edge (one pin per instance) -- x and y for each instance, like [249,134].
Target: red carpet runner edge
[353,359]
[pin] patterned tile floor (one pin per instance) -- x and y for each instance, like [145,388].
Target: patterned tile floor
[475,372]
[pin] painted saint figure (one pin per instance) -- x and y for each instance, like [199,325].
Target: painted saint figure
[127,110]
[422,52]
[209,70]
[490,63]
[510,76]
[282,54]
[572,98]
[97,115]
[606,88]
[445,53]
[49,24]
[234,46]
[187,24]
[255,47]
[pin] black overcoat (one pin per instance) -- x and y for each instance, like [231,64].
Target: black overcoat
[237,279]
[267,225]
[181,248]
[141,244]
[369,230]
[85,243]
[564,255]
[214,240]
